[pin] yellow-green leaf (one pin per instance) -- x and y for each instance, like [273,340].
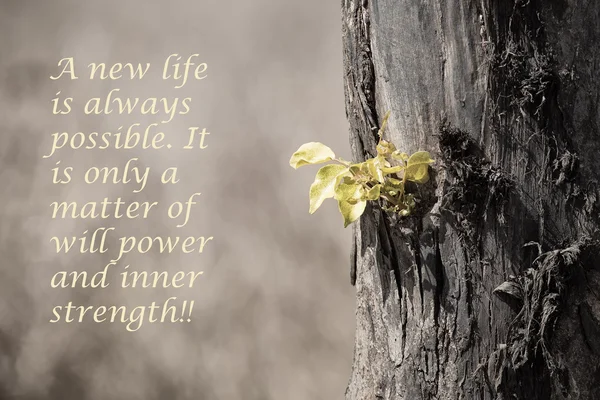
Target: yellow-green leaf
[375,165]
[311,153]
[417,169]
[324,185]
[360,168]
[393,188]
[385,148]
[398,155]
[348,190]
[392,170]
[345,178]
[374,193]
[396,183]
[351,211]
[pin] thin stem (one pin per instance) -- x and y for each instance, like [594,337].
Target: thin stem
[389,199]
[383,124]
[340,161]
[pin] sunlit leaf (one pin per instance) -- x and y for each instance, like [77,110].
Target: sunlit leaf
[311,153]
[374,193]
[348,190]
[385,148]
[350,200]
[360,168]
[355,168]
[391,191]
[398,155]
[417,169]
[392,170]
[346,178]
[396,183]
[324,185]
[364,171]
[351,211]
[375,165]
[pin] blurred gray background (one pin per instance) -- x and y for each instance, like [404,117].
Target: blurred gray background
[274,310]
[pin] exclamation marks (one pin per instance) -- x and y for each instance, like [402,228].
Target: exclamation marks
[189,312]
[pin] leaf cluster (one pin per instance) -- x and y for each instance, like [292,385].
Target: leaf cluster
[352,185]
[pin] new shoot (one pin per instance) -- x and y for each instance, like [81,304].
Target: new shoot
[352,185]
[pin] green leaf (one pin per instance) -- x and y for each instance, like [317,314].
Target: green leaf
[398,155]
[348,190]
[392,170]
[374,172]
[417,169]
[345,178]
[311,153]
[375,165]
[360,168]
[395,183]
[349,195]
[324,185]
[351,211]
[393,189]
[385,148]
[374,193]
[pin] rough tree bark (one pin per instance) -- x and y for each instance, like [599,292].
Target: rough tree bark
[492,289]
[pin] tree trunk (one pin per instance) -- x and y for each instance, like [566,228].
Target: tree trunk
[490,291]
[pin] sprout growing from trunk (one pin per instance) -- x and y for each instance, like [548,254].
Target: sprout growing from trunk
[352,185]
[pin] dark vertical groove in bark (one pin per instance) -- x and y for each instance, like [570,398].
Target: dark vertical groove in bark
[439,277]
[359,79]
[393,256]
[416,250]
[384,255]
